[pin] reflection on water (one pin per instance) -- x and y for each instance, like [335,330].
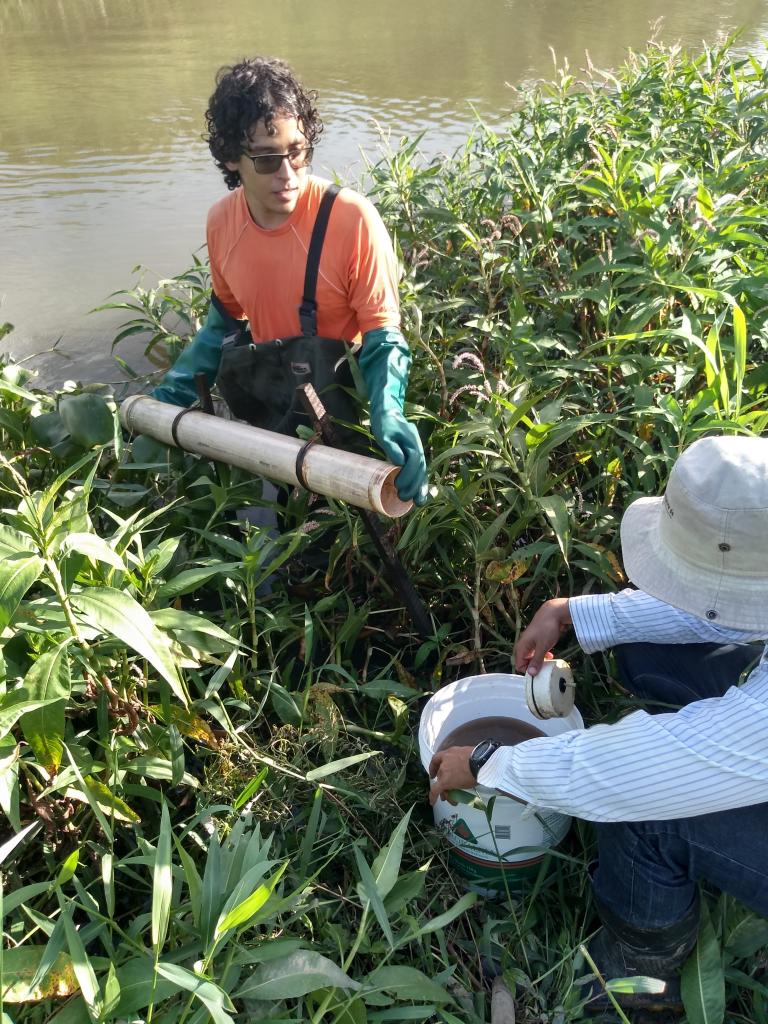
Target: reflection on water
[101,105]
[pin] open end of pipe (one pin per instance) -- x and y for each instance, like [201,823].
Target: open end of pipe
[391,505]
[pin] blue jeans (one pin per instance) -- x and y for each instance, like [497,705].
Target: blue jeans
[648,871]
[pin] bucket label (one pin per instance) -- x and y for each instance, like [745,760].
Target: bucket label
[463,831]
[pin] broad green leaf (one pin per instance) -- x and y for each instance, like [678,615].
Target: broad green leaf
[749,935]
[187,722]
[48,680]
[88,419]
[9,781]
[714,367]
[556,511]
[183,624]
[15,704]
[93,547]
[310,832]
[158,768]
[251,788]
[704,202]
[406,983]
[340,1009]
[269,949]
[702,980]
[162,882]
[117,614]
[55,947]
[106,799]
[336,766]
[408,887]
[13,542]
[192,579]
[17,574]
[48,429]
[294,976]
[421,1012]
[20,964]
[215,1000]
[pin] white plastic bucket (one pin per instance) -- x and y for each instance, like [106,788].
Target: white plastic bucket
[496,853]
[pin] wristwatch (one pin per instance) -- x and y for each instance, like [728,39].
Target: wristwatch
[481,753]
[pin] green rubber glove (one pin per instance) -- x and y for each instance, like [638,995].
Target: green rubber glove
[384,363]
[202,355]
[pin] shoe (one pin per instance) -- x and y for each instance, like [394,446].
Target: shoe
[621,950]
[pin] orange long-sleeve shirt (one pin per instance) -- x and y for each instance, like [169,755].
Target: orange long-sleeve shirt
[258,274]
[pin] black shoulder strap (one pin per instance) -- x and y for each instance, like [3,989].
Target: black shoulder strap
[229,321]
[308,307]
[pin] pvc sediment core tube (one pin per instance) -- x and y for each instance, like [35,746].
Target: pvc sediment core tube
[551,692]
[356,479]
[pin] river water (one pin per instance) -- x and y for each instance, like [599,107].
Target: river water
[102,167]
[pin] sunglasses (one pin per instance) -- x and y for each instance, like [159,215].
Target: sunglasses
[270,163]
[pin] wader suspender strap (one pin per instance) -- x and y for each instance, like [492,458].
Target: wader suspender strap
[308,307]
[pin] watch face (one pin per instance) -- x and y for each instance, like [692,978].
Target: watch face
[483,750]
[481,754]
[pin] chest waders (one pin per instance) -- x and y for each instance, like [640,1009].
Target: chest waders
[258,380]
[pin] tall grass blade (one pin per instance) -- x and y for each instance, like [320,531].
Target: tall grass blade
[84,972]
[337,766]
[371,895]
[245,911]
[162,883]
[386,866]
[702,980]
[215,1000]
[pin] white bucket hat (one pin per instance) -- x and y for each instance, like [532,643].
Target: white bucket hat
[703,546]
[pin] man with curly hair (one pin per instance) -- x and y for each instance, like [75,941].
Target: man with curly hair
[301,273]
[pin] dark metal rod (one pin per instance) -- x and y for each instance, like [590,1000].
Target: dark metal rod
[395,570]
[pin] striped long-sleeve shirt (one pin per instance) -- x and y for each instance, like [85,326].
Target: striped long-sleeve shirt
[711,755]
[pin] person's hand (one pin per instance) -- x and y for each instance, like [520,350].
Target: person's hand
[400,441]
[546,627]
[449,769]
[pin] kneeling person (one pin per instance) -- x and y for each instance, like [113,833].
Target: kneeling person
[677,797]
